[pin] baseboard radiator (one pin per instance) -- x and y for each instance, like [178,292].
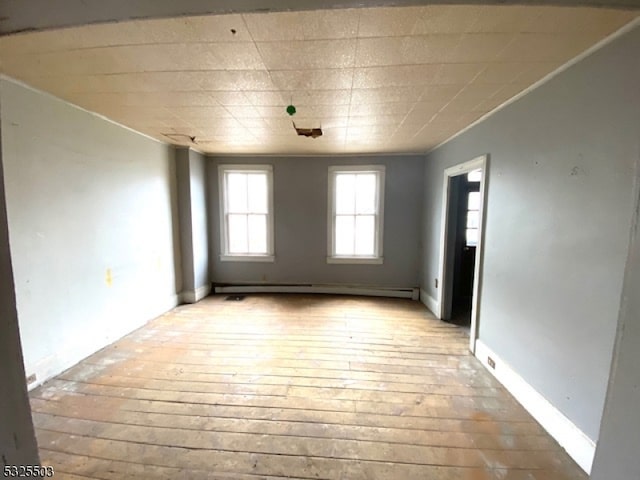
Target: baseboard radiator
[395,292]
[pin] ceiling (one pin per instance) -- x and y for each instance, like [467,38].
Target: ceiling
[392,79]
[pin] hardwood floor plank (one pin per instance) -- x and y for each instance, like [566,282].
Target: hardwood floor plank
[291,386]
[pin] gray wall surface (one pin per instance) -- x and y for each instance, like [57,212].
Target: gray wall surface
[300,237]
[193,214]
[617,452]
[17,440]
[199,218]
[557,223]
[90,208]
[183,179]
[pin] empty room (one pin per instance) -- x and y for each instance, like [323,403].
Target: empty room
[320,240]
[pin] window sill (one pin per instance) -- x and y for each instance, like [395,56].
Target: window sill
[247,258]
[356,260]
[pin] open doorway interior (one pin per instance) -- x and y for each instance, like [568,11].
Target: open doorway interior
[464,215]
[464,197]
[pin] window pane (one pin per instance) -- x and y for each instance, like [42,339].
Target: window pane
[474,201]
[366,193]
[472,237]
[345,193]
[473,219]
[238,234]
[237,192]
[474,176]
[257,187]
[345,234]
[365,235]
[257,234]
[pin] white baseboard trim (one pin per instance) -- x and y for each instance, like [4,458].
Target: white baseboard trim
[577,444]
[408,292]
[429,302]
[194,296]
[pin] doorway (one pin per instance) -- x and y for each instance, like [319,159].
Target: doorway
[463,203]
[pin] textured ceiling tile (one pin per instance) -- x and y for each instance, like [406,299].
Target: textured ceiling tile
[200,112]
[418,117]
[149,58]
[319,97]
[271,111]
[430,106]
[456,120]
[457,106]
[423,49]
[296,80]
[432,19]
[327,24]
[156,31]
[596,21]
[407,130]
[380,120]
[368,132]
[249,80]
[243,111]
[227,97]
[380,109]
[166,30]
[307,55]
[190,56]
[446,19]
[170,99]
[480,47]
[504,18]
[457,74]
[253,122]
[320,111]
[478,91]
[439,92]
[387,22]
[423,73]
[265,98]
[386,95]
[546,47]
[501,72]
[395,76]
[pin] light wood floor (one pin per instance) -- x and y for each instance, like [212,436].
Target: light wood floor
[291,386]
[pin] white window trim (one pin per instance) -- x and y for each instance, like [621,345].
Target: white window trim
[224,238]
[377,258]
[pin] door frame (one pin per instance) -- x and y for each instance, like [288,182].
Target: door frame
[478,163]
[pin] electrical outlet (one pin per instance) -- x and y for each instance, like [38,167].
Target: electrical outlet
[491,363]
[31,378]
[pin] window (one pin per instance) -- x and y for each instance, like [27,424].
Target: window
[473,219]
[246,212]
[356,200]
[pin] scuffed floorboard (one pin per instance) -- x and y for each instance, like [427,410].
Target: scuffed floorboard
[291,386]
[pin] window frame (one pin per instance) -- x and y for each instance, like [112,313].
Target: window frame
[377,258]
[225,256]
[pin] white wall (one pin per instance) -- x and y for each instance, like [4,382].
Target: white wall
[85,197]
[558,216]
[17,439]
[617,454]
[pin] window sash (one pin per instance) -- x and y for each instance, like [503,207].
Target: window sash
[246,217]
[337,248]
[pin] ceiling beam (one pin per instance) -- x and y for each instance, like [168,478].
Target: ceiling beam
[32,15]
